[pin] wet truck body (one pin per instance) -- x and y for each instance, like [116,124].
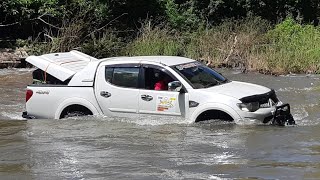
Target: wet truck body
[75,84]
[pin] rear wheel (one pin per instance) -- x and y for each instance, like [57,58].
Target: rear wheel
[75,111]
[74,114]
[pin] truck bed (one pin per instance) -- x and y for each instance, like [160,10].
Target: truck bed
[46,99]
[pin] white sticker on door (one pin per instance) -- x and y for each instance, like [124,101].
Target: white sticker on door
[166,104]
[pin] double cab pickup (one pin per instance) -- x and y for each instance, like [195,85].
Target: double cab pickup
[75,84]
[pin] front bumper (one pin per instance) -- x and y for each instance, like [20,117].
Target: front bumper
[278,115]
[27,116]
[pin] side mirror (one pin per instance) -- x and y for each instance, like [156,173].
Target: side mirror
[175,86]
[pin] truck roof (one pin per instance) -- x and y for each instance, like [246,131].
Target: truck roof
[64,65]
[165,60]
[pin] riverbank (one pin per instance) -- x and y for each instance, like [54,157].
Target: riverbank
[250,44]
[13,58]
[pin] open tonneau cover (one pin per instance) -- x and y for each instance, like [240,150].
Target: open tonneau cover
[61,65]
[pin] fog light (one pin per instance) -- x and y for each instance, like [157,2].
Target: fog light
[249,107]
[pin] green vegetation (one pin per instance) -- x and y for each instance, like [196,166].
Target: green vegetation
[294,48]
[270,37]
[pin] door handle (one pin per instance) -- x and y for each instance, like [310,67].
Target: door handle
[146,97]
[105,94]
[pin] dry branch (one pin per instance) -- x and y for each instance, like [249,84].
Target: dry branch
[97,30]
[37,18]
[232,49]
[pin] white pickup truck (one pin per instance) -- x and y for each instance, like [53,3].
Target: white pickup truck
[75,84]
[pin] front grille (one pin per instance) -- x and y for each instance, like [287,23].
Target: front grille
[265,105]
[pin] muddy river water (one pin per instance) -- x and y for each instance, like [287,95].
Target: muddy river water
[111,148]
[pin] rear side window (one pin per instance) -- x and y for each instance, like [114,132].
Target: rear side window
[109,74]
[123,76]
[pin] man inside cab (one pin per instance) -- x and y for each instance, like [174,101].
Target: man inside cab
[162,82]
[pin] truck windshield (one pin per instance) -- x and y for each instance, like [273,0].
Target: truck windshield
[199,76]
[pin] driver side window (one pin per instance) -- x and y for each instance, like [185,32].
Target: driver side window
[156,79]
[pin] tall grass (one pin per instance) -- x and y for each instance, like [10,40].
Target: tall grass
[103,45]
[229,44]
[156,41]
[250,43]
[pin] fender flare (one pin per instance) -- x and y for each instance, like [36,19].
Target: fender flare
[75,101]
[215,106]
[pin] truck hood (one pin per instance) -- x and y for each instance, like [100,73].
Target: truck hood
[238,89]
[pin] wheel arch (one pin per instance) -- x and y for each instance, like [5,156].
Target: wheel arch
[74,102]
[222,109]
[214,114]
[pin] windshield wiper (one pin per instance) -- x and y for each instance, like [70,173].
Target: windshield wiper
[211,84]
[225,81]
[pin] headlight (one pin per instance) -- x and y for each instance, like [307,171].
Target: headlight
[249,107]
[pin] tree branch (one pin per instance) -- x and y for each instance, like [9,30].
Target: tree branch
[106,24]
[51,38]
[37,18]
[232,49]
[5,25]
[45,22]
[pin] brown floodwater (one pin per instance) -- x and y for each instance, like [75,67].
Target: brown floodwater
[111,148]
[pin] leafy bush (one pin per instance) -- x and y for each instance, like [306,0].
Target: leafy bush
[182,16]
[294,47]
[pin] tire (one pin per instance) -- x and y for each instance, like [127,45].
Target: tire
[75,111]
[74,114]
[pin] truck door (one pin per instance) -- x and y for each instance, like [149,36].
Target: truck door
[155,98]
[116,89]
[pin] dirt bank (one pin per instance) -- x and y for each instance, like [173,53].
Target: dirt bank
[13,57]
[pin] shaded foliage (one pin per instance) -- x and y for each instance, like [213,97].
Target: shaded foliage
[179,14]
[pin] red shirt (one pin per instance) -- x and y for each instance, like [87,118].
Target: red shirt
[161,85]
